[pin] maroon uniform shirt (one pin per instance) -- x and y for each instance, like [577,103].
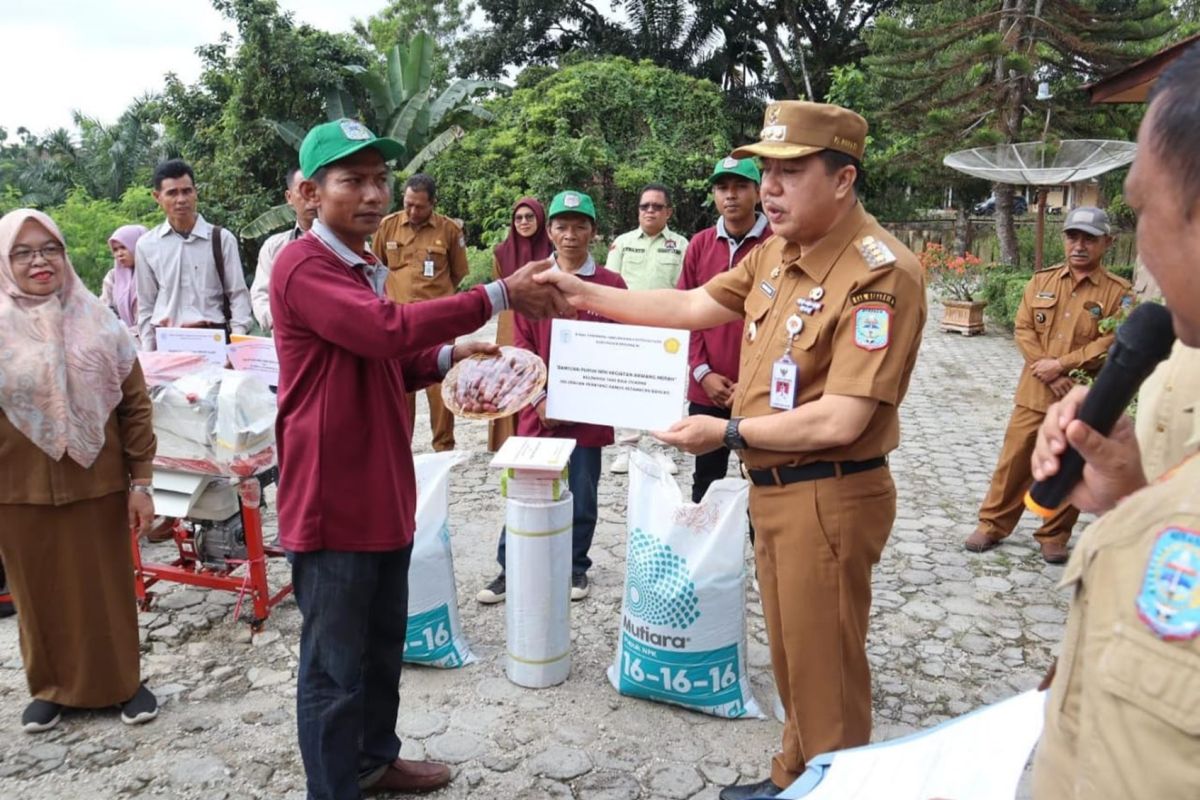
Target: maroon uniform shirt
[347,359]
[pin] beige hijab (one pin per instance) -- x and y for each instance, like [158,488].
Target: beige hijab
[63,357]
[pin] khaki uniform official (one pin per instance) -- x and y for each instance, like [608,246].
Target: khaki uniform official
[407,251]
[817,539]
[1123,714]
[1059,318]
[1168,408]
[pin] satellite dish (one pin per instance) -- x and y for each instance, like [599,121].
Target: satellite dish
[1042,163]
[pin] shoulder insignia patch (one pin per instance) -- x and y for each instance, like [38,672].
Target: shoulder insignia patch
[872,327]
[1127,302]
[858,298]
[876,253]
[1169,601]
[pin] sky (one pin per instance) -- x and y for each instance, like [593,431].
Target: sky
[97,55]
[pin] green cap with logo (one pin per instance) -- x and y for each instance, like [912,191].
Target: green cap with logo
[572,202]
[333,141]
[739,167]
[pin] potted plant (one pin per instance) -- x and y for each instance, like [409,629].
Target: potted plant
[956,280]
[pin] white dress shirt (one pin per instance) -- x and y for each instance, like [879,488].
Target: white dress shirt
[260,294]
[177,281]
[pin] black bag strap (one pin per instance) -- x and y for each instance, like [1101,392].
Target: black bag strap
[219,260]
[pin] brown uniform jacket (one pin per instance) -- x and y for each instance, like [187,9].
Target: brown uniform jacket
[1168,409]
[28,475]
[863,341]
[405,251]
[1123,715]
[1059,318]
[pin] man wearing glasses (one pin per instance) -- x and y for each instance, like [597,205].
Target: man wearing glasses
[648,257]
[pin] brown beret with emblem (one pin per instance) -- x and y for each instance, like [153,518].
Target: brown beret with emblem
[796,128]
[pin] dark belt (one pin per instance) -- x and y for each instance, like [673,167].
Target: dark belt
[782,476]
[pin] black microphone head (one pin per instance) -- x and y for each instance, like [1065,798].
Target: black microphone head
[1148,333]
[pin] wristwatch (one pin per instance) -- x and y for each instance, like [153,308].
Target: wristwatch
[733,440]
[142,488]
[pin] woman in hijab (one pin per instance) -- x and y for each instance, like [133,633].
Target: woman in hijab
[119,291]
[76,446]
[527,241]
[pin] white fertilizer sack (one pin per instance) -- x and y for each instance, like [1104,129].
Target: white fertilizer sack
[435,636]
[683,617]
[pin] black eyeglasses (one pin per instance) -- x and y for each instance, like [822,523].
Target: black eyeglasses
[651,207]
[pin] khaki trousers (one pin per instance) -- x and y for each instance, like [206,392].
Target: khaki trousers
[441,419]
[815,545]
[1005,501]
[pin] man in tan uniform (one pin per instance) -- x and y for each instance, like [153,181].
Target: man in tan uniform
[1168,408]
[426,257]
[1057,330]
[834,308]
[1123,715]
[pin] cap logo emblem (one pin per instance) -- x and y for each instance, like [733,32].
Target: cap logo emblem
[774,133]
[773,115]
[355,130]
[729,163]
[571,201]
[1084,216]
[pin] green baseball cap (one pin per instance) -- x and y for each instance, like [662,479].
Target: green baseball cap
[572,202]
[333,141]
[741,167]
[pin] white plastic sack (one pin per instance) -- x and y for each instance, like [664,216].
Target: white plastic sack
[435,636]
[683,617]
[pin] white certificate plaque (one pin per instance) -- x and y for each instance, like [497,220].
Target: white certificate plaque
[626,376]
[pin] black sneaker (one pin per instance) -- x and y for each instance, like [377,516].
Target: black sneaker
[494,592]
[41,715]
[142,707]
[579,585]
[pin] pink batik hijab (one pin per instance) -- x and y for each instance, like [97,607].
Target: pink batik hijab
[63,357]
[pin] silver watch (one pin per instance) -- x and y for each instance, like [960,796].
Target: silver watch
[145,489]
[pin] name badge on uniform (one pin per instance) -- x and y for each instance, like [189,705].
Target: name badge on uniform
[767,289]
[784,374]
[428,271]
[391,245]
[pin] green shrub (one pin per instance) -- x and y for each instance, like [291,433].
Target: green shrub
[479,261]
[1002,289]
[87,223]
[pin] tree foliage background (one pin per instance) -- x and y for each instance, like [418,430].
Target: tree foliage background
[607,96]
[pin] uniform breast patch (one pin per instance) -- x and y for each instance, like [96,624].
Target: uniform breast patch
[872,327]
[1169,601]
[767,289]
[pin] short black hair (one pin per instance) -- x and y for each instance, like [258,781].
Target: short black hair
[1176,120]
[656,187]
[834,160]
[422,183]
[294,176]
[320,175]
[172,168]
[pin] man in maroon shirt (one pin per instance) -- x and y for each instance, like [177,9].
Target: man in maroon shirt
[347,496]
[714,353]
[571,223]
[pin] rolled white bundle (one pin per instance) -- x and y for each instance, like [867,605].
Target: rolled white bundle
[538,603]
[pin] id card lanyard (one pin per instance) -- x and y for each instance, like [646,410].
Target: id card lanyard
[428,271]
[784,372]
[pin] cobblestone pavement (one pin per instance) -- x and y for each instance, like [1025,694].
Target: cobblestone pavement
[950,631]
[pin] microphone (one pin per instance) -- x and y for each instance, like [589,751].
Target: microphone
[1142,341]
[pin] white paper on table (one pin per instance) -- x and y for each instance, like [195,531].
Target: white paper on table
[627,376]
[256,355]
[208,342]
[978,756]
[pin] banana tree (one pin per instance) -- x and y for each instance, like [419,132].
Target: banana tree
[404,107]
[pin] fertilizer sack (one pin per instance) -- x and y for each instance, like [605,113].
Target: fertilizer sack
[435,636]
[683,617]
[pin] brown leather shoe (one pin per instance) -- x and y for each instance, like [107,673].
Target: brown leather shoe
[980,541]
[1054,552]
[412,777]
